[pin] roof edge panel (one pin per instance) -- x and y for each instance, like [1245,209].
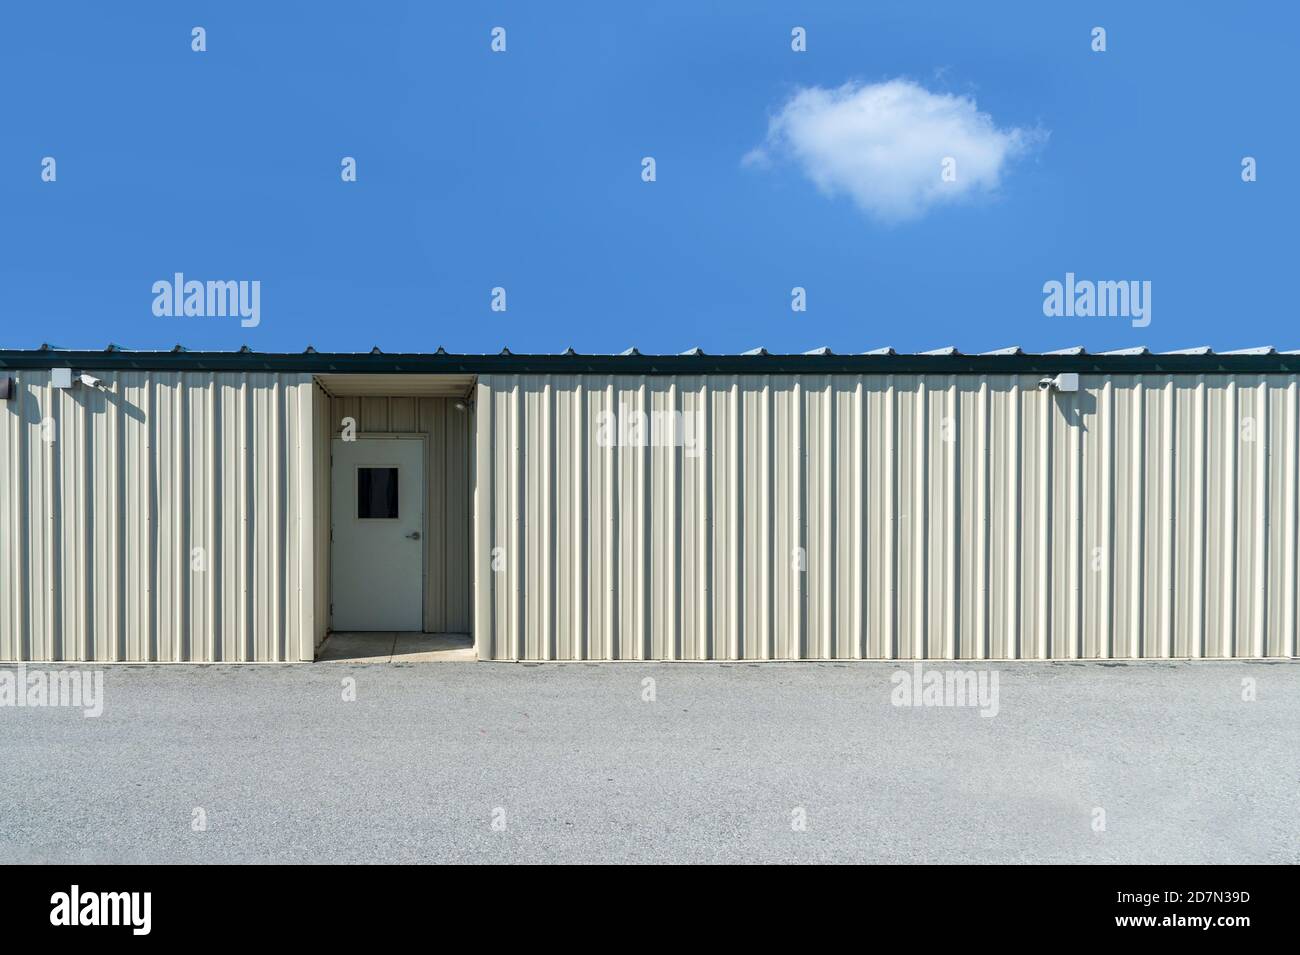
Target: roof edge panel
[695,363]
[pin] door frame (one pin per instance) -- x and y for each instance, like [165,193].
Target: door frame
[424,510]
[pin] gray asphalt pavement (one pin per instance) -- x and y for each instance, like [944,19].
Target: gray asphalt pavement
[481,762]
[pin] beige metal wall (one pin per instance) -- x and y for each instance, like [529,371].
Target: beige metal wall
[322,496]
[448,483]
[106,495]
[971,517]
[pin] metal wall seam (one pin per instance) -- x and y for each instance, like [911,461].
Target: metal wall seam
[858,583]
[919,511]
[1290,467]
[815,522]
[950,435]
[1105,638]
[321,450]
[1013,619]
[1196,638]
[1260,568]
[889,560]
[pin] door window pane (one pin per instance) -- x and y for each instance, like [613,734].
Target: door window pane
[377,493]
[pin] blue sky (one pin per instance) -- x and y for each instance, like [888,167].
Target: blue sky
[522,170]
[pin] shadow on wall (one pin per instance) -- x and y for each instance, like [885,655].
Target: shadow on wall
[1073,408]
[27,407]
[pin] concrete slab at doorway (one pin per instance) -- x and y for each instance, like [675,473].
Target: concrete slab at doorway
[396,648]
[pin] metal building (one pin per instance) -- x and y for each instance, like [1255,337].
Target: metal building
[187,506]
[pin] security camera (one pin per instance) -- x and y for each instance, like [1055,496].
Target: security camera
[90,381]
[1066,382]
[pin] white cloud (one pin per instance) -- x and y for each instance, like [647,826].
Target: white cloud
[884,145]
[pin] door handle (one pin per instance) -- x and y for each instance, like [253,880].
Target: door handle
[414,536]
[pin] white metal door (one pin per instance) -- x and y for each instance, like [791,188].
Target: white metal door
[377,581]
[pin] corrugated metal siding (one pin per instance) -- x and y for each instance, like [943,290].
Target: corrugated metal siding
[106,494]
[322,476]
[938,517]
[447,509]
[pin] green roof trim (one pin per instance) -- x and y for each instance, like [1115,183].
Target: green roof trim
[1190,362]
